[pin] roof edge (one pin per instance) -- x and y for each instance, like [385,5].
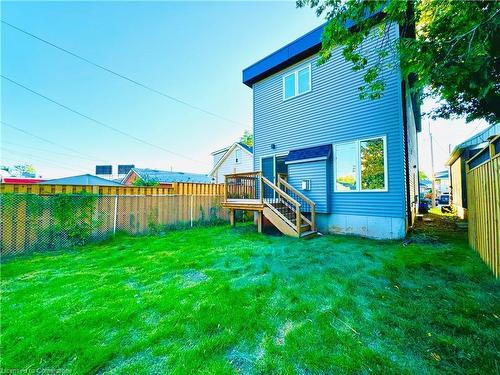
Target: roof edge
[224,157]
[304,46]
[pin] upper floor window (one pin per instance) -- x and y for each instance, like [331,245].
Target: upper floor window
[361,165]
[297,82]
[238,156]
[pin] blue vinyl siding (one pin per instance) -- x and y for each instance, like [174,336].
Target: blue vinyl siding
[332,113]
[317,172]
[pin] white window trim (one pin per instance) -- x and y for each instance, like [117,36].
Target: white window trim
[237,160]
[358,166]
[295,72]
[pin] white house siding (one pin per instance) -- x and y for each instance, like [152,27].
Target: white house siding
[218,156]
[229,165]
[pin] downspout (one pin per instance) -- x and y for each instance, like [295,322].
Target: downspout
[406,161]
[408,30]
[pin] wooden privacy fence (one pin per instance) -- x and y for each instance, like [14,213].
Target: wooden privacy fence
[181,188]
[483,194]
[31,222]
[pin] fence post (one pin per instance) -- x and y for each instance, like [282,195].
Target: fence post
[191,209]
[116,213]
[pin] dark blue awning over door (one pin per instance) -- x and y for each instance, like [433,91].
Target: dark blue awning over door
[309,154]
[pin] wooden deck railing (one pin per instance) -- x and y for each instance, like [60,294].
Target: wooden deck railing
[241,185]
[290,207]
[284,200]
[307,205]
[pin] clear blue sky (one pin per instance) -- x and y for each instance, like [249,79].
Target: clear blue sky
[191,50]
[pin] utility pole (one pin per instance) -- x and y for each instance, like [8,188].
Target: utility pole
[432,168]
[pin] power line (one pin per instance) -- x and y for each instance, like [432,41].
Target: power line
[441,147]
[36,157]
[51,142]
[131,80]
[48,151]
[100,123]
[16,160]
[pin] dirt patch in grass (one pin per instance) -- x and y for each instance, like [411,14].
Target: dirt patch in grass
[193,277]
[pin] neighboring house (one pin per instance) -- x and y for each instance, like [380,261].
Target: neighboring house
[457,163]
[7,178]
[164,178]
[355,159]
[237,158]
[20,180]
[84,179]
[442,182]
[425,186]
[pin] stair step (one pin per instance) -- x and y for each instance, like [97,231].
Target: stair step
[309,234]
[305,227]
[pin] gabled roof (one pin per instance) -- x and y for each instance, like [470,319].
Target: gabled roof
[246,147]
[220,150]
[225,149]
[230,149]
[309,154]
[83,179]
[425,182]
[442,175]
[473,142]
[299,49]
[168,176]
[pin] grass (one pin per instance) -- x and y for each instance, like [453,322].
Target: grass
[221,300]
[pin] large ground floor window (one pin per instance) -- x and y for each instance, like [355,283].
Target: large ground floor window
[361,165]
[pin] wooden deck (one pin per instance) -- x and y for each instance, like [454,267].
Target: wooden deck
[288,210]
[244,204]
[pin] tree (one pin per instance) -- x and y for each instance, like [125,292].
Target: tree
[452,47]
[372,164]
[20,170]
[247,138]
[146,182]
[422,175]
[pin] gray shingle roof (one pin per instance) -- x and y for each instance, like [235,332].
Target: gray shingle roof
[83,179]
[475,140]
[169,177]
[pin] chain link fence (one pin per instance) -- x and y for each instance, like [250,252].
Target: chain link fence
[31,222]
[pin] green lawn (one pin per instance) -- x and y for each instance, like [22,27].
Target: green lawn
[222,300]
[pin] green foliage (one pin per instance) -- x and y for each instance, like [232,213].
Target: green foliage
[68,219]
[153,226]
[372,164]
[451,46]
[20,170]
[347,181]
[146,182]
[221,300]
[247,138]
[33,204]
[73,216]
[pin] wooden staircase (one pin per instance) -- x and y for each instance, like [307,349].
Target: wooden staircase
[290,211]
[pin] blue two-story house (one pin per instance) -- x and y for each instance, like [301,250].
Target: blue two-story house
[354,160]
